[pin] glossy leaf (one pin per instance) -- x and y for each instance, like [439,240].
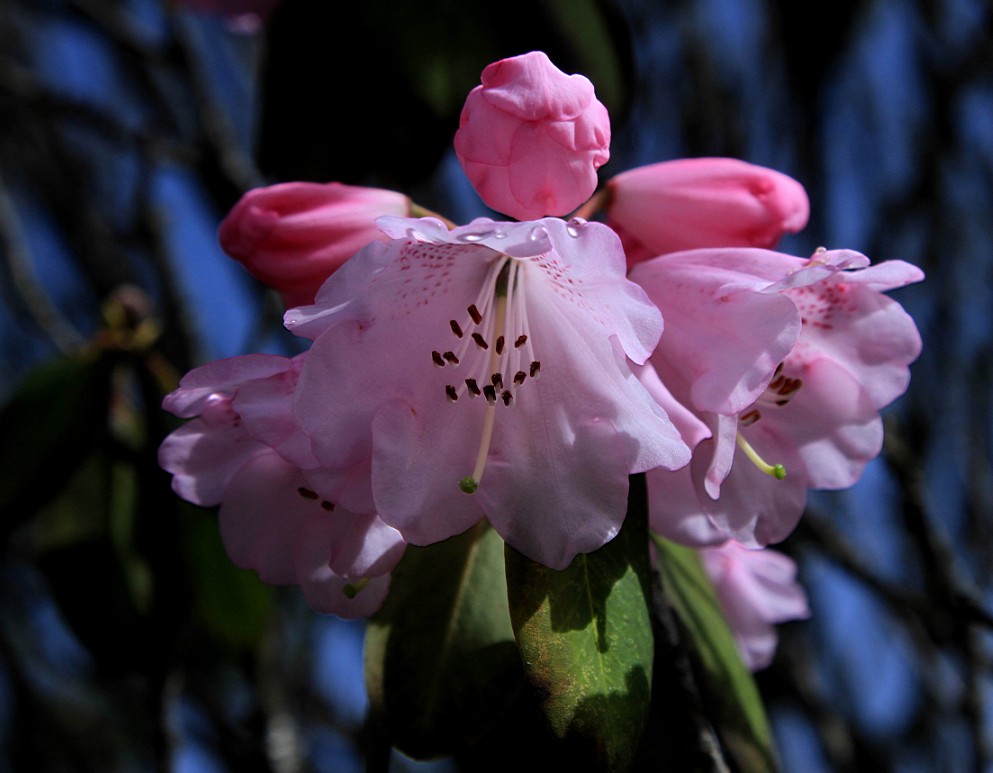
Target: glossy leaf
[585,636]
[441,665]
[728,689]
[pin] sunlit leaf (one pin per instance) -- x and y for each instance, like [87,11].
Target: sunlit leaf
[441,664]
[585,636]
[732,699]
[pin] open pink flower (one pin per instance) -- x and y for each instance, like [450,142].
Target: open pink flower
[531,138]
[703,202]
[756,588]
[483,372]
[272,517]
[814,415]
[293,236]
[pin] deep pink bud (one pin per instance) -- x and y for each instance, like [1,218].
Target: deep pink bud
[703,202]
[293,236]
[531,138]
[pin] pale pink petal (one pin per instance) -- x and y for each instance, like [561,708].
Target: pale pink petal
[846,318]
[724,336]
[220,376]
[830,422]
[756,588]
[262,514]
[204,454]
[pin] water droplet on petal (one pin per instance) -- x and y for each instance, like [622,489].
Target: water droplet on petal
[538,233]
[413,233]
[500,234]
[573,226]
[474,236]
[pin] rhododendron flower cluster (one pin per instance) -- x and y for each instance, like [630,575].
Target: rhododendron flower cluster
[520,372]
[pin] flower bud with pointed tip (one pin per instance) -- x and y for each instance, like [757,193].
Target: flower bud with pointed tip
[531,138]
[292,236]
[694,203]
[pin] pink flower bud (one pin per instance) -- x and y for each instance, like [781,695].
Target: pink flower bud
[703,202]
[531,138]
[293,236]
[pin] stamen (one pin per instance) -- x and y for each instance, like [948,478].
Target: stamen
[470,483]
[480,341]
[499,345]
[456,328]
[521,340]
[535,370]
[450,357]
[354,588]
[473,387]
[519,377]
[777,471]
[497,379]
[451,393]
[507,397]
[306,493]
[329,506]
[436,358]
[474,313]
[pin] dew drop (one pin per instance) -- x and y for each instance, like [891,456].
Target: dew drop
[573,226]
[413,233]
[474,236]
[538,233]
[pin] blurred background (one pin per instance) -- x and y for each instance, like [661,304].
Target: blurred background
[128,128]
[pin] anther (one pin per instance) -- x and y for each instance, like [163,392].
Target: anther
[535,369]
[748,418]
[469,484]
[507,397]
[521,340]
[519,377]
[329,506]
[306,493]
[455,328]
[497,379]
[436,358]
[489,392]
[480,341]
[473,387]
[499,345]
[451,393]
[474,313]
[451,357]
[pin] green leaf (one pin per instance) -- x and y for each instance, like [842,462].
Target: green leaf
[50,426]
[585,635]
[732,699]
[232,604]
[441,665]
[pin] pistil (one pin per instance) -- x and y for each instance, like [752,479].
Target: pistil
[777,471]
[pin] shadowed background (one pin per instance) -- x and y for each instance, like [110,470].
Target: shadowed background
[128,129]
